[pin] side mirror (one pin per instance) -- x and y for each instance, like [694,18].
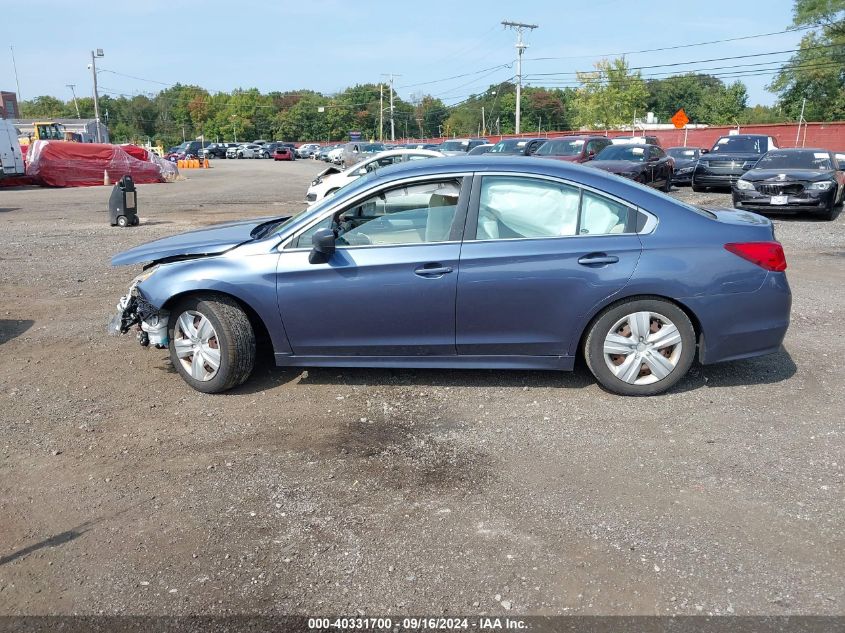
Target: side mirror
[323,242]
[705,151]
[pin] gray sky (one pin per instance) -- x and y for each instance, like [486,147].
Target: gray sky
[327,45]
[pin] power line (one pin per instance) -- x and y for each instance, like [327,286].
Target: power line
[437,81]
[699,61]
[679,46]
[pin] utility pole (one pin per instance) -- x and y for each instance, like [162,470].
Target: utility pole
[483,123]
[380,112]
[75,104]
[392,123]
[800,119]
[519,27]
[94,56]
[15,66]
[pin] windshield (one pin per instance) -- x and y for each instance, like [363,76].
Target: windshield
[372,148]
[49,132]
[622,152]
[318,207]
[454,146]
[682,153]
[740,144]
[795,160]
[561,148]
[510,146]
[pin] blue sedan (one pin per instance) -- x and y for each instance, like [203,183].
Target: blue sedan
[506,263]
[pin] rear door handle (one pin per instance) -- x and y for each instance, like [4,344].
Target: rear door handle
[432,270]
[597,259]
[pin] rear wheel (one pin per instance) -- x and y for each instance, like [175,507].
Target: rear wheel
[122,220]
[698,189]
[640,347]
[212,343]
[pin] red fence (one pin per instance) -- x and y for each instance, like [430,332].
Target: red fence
[830,136]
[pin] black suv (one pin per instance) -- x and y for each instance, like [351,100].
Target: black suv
[730,157]
[215,150]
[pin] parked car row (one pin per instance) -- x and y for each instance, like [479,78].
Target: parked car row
[800,180]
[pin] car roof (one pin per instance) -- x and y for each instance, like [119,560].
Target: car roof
[577,137]
[635,194]
[404,151]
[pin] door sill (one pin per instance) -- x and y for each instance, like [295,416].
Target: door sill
[559,363]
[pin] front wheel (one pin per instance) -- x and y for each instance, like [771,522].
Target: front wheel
[212,343]
[829,214]
[640,347]
[698,189]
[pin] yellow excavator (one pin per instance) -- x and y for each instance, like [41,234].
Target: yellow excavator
[47,131]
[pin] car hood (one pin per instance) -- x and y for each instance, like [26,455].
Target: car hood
[616,166]
[209,241]
[811,175]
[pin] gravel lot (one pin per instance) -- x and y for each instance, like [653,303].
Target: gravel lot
[386,491]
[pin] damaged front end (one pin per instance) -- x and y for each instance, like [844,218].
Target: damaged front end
[134,310]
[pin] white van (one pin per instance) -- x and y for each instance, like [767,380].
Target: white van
[11,158]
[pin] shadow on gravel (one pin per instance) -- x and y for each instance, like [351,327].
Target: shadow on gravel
[68,535]
[763,370]
[4,209]
[12,328]
[267,376]
[54,541]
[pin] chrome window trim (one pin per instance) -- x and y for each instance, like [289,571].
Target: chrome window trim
[282,246]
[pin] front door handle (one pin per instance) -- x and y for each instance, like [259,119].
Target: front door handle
[597,259]
[432,270]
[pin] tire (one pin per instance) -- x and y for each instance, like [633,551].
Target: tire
[122,221]
[698,189]
[240,156]
[667,186]
[828,214]
[135,220]
[233,335]
[675,355]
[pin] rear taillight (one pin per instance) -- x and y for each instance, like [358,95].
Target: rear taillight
[768,255]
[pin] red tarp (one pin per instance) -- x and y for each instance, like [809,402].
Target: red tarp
[136,152]
[63,164]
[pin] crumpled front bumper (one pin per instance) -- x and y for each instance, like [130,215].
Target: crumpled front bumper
[134,310]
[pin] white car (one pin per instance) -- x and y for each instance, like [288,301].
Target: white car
[336,155]
[331,179]
[247,150]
